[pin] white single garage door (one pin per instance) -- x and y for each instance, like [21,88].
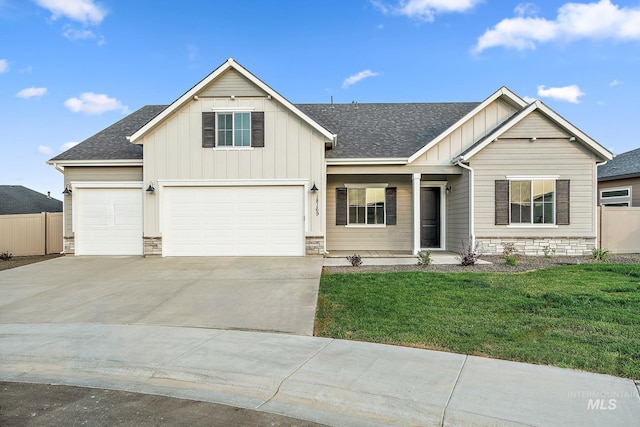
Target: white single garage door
[233,221]
[108,221]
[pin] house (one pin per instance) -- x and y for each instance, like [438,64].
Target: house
[232,168]
[618,178]
[17,200]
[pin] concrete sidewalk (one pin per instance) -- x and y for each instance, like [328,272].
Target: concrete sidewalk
[323,380]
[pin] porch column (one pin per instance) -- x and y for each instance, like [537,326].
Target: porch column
[416,213]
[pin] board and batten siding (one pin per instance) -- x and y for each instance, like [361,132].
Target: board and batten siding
[468,133]
[458,212]
[89,174]
[551,154]
[397,237]
[633,183]
[292,150]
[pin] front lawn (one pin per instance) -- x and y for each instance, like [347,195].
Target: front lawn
[581,316]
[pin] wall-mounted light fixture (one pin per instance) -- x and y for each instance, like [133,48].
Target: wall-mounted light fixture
[67,190]
[448,188]
[150,188]
[195,97]
[314,190]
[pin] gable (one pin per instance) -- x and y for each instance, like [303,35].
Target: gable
[535,125]
[231,83]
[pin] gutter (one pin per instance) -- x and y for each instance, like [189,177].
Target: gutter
[472,234]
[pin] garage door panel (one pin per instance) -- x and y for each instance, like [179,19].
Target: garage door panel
[108,221]
[233,221]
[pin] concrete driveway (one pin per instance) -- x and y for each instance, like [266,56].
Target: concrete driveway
[262,294]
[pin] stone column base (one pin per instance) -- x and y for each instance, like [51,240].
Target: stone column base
[314,245]
[152,246]
[69,245]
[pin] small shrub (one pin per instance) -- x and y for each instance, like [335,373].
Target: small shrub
[424,258]
[548,252]
[600,254]
[5,256]
[355,260]
[469,255]
[511,260]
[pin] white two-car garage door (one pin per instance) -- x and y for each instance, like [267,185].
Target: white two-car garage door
[108,221]
[233,221]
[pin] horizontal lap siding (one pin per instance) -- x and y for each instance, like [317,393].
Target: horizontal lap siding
[231,83]
[634,183]
[392,237]
[89,174]
[458,212]
[568,160]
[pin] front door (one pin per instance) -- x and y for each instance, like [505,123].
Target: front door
[430,217]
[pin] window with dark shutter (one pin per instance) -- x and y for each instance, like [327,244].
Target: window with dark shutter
[257,129]
[562,202]
[390,204]
[341,206]
[208,130]
[502,201]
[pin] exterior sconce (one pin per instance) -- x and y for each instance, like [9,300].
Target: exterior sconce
[448,188]
[314,190]
[67,190]
[150,188]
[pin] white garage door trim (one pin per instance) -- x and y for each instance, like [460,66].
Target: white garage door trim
[166,193]
[129,244]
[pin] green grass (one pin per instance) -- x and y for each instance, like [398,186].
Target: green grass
[583,316]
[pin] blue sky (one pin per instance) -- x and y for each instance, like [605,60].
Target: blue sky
[69,68]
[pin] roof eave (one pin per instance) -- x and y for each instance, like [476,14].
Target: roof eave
[228,64]
[119,162]
[502,92]
[366,161]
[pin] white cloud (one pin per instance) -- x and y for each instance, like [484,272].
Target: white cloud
[529,99]
[351,80]
[30,92]
[43,149]
[568,93]
[94,103]
[75,34]
[425,9]
[526,9]
[67,145]
[4,66]
[84,11]
[615,82]
[575,21]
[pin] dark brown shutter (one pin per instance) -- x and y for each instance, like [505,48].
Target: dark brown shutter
[562,202]
[502,202]
[390,205]
[257,129]
[208,130]
[341,206]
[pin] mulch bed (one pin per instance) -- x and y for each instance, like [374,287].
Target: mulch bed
[19,261]
[526,263]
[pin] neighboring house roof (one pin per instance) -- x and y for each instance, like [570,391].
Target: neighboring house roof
[385,130]
[111,143]
[537,105]
[227,65]
[16,199]
[625,165]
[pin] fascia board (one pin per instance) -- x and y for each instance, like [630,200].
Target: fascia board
[372,161]
[122,162]
[230,63]
[502,92]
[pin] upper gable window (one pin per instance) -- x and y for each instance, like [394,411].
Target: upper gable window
[234,129]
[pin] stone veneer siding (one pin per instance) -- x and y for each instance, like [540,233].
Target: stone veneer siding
[535,246]
[152,246]
[314,245]
[69,245]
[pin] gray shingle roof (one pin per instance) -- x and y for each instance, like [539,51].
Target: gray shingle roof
[625,165]
[385,130]
[16,199]
[111,143]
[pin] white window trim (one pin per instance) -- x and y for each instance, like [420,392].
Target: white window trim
[521,178]
[233,129]
[612,202]
[365,187]
[443,214]
[604,190]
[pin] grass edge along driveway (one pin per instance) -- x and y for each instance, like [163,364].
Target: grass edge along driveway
[585,317]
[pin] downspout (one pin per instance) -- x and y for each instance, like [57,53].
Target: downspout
[472,234]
